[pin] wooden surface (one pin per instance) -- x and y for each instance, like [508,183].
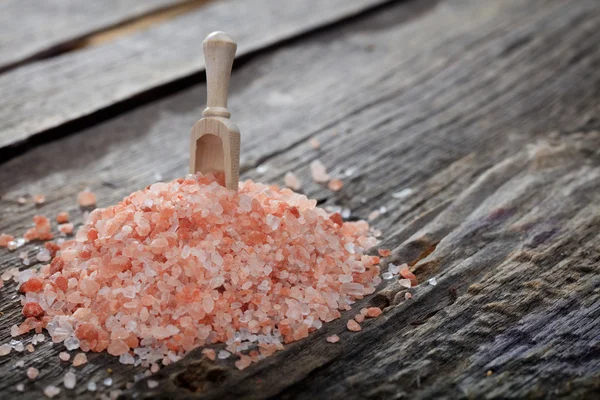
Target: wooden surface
[32,29]
[484,113]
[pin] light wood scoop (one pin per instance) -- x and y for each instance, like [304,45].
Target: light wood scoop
[215,140]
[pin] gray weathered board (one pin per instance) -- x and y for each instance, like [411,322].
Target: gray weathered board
[486,110]
[49,93]
[34,28]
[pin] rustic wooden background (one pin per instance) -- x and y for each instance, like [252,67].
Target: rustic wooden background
[487,110]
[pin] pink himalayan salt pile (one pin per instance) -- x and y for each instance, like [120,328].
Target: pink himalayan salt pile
[188,263]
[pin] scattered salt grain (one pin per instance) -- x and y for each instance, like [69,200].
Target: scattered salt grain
[39,198]
[209,353]
[359,318]
[154,367]
[51,391]
[126,359]
[108,381]
[314,143]
[353,326]
[5,239]
[20,364]
[335,185]
[43,255]
[374,312]
[62,217]
[79,359]
[70,380]
[67,228]
[333,339]
[382,210]
[346,212]
[20,387]
[403,194]
[387,275]
[86,198]
[319,172]
[19,347]
[243,363]
[72,343]
[5,349]
[91,386]
[262,169]
[14,331]
[405,283]
[407,296]
[152,384]
[30,348]
[223,354]
[64,356]
[291,180]
[32,373]
[394,269]
[373,215]
[349,171]
[433,281]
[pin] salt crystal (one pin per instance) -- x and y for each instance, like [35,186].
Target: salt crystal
[383,210]
[86,198]
[433,281]
[5,349]
[314,143]
[346,213]
[19,347]
[404,193]
[373,312]
[407,295]
[374,215]
[152,384]
[333,339]
[14,331]
[291,180]
[30,348]
[43,255]
[319,172]
[91,386]
[51,391]
[21,200]
[64,356]
[32,373]
[108,381]
[223,354]
[262,169]
[387,275]
[79,359]
[335,185]
[349,171]
[20,387]
[70,380]
[72,343]
[405,283]
[126,359]
[20,364]
[39,198]
[394,269]
[353,326]
[62,217]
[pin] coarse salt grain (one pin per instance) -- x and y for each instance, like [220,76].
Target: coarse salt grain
[5,239]
[314,143]
[39,198]
[32,373]
[134,266]
[319,172]
[20,364]
[51,391]
[5,349]
[353,326]
[108,381]
[79,359]
[69,380]
[333,339]
[86,198]
[64,356]
[373,312]
[152,384]
[407,296]
[433,281]
[20,387]
[335,185]
[404,283]
[209,353]
[291,180]
[67,228]
[30,348]
[91,386]
[62,217]
[384,252]
[243,363]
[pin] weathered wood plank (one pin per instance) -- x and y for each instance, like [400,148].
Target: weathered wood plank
[52,92]
[459,90]
[31,28]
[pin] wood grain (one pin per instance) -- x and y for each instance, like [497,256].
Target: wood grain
[485,110]
[52,92]
[31,28]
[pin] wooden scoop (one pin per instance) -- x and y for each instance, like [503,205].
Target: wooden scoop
[215,140]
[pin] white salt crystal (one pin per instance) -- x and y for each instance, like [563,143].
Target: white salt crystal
[14,331]
[72,343]
[43,255]
[349,247]
[404,283]
[387,275]
[261,169]
[319,172]
[70,380]
[223,354]
[20,387]
[349,171]
[19,347]
[39,337]
[273,222]
[126,359]
[91,386]
[382,210]
[5,349]
[20,364]
[51,391]
[291,180]
[152,384]
[346,213]
[32,373]
[404,193]
[394,269]
[433,281]
[108,381]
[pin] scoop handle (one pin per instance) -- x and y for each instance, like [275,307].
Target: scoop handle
[219,52]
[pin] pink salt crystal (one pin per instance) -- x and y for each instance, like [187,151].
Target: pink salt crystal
[21,200]
[30,348]
[5,239]
[314,143]
[117,347]
[152,384]
[335,184]
[333,339]
[67,228]
[86,198]
[209,353]
[359,318]
[373,312]
[291,180]
[50,391]
[319,172]
[32,373]
[39,198]
[353,326]
[154,367]
[64,356]
[373,215]
[62,217]
[407,296]
[79,359]
[243,363]
[5,349]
